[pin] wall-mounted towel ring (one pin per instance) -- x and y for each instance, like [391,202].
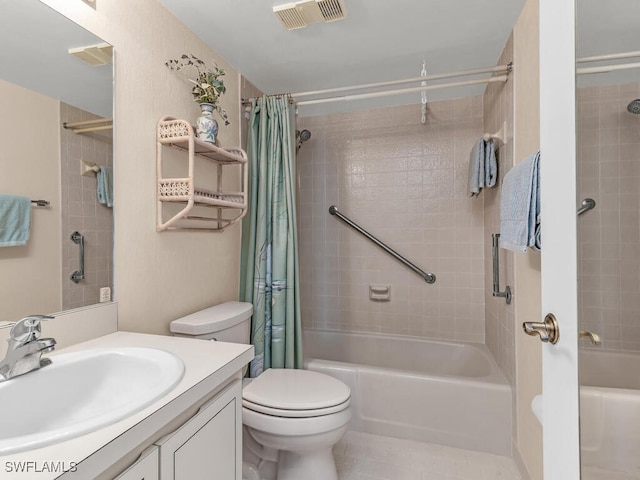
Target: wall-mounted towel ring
[88,169]
[500,135]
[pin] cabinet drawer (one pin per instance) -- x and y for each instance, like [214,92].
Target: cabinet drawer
[145,468]
[209,445]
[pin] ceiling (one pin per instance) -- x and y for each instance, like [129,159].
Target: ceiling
[388,40]
[378,41]
[34,44]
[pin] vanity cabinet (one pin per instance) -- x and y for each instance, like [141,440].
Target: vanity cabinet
[194,432]
[146,468]
[209,445]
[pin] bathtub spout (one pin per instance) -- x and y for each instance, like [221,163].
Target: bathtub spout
[594,337]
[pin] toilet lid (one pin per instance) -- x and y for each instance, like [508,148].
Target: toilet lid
[289,389]
[284,413]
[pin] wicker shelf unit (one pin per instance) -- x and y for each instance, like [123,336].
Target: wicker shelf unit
[205,205]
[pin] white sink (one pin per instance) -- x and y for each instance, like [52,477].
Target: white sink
[82,392]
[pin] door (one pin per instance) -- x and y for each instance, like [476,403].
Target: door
[561,435]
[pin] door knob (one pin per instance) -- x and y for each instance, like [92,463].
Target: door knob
[548,331]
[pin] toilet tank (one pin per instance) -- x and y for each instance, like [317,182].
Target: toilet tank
[227,322]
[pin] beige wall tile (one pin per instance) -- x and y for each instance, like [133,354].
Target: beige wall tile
[406,183]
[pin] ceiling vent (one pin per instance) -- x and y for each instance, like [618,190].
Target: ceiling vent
[301,14]
[94,55]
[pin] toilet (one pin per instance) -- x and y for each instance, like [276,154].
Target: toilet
[292,418]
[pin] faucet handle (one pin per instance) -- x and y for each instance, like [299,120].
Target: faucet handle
[28,328]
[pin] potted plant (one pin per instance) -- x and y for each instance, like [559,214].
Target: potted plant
[207,88]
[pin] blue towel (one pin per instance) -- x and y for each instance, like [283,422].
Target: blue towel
[520,206]
[105,186]
[490,164]
[476,168]
[15,220]
[483,168]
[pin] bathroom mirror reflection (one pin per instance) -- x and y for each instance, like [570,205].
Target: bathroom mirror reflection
[608,171]
[42,87]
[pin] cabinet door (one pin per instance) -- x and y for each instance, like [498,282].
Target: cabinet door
[209,445]
[145,468]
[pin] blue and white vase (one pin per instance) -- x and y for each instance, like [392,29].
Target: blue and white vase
[206,125]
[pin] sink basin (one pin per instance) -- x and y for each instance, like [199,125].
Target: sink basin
[82,392]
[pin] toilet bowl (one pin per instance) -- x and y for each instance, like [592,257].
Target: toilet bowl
[292,418]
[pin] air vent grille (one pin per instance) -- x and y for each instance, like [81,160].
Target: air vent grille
[303,13]
[290,16]
[331,10]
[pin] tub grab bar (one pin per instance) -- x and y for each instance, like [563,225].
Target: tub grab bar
[428,277]
[496,271]
[78,239]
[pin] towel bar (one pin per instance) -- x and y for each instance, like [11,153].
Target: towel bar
[496,271]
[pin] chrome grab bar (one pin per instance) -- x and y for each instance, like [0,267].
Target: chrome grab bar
[496,271]
[587,204]
[428,277]
[78,239]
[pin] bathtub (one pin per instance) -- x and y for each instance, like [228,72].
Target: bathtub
[610,409]
[439,392]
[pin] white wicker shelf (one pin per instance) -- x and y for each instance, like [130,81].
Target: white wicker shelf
[225,208]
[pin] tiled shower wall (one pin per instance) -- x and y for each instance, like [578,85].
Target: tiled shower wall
[406,183]
[81,211]
[609,236]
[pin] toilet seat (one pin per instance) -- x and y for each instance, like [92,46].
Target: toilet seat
[280,412]
[292,393]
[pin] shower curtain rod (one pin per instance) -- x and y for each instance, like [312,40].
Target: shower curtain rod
[607,68]
[346,98]
[612,56]
[439,76]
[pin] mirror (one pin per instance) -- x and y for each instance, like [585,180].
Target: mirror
[608,171]
[42,86]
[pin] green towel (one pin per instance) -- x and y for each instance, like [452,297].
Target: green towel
[15,220]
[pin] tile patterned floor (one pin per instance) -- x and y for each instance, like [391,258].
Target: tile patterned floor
[362,456]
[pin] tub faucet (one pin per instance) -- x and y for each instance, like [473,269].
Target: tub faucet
[25,350]
[594,337]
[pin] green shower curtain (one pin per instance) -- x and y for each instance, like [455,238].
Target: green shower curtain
[269,276]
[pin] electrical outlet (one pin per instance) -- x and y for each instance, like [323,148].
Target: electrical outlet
[105,294]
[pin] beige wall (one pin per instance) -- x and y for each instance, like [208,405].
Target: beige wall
[158,276]
[527,267]
[30,166]
[519,356]
[406,183]
[499,317]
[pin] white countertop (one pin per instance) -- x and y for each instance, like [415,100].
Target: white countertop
[207,365]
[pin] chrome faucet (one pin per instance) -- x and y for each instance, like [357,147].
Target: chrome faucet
[26,348]
[594,337]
